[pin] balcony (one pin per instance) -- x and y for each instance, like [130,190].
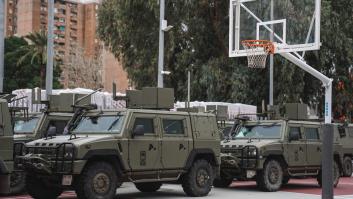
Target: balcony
[73,18]
[73,35]
[59,23]
[73,27]
[60,41]
[74,10]
[59,32]
[60,15]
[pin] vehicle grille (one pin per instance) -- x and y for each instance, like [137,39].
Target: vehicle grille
[60,157]
[48,152]
[234,152]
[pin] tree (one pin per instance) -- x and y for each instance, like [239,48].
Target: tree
[25,74]
[37,51]
[199,41]
[80,71]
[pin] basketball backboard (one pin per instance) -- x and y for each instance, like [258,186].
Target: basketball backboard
[294,24]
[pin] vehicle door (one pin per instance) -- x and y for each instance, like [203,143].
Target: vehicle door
[176,141]
[144,148]
[296,148]
[313,145]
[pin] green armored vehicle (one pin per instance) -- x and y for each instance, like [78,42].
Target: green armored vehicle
[33,126]
[6,147]
[273,151]
[344,135]
[146,147]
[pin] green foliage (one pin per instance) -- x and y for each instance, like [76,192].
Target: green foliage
[199,41]
[24,73]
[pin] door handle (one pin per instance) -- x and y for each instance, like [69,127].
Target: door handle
[181,146]
[150,147]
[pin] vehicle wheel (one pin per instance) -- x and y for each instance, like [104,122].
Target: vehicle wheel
[347,167]
[222,182]
[119,184]
[148,186]
[18,183]
[198,180]
[271,177]
[285,180]
[336,175]
[39,189]
[97,181]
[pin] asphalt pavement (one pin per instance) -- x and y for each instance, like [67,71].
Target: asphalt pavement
[296,189]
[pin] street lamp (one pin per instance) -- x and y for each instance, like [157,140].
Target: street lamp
[163,27]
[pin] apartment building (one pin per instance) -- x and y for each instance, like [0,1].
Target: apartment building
[74,28]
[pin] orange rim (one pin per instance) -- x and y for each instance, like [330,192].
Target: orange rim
[267,45]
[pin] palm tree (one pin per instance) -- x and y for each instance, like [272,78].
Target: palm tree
[37,51]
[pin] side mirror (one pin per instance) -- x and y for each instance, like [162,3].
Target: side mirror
[294,136]
[51,131]
[139,130]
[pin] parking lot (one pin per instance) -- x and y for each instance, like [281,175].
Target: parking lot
[297,188]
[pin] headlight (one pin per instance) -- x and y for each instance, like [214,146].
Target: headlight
[68,155]
[252,151]
[67,151]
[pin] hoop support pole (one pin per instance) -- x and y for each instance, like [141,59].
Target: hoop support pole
[327,82]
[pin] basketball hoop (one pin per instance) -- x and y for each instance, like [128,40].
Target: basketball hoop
[257,52]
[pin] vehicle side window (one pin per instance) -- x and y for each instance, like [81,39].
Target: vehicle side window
[147,124]
[295,130]
[312,133]
[173,127]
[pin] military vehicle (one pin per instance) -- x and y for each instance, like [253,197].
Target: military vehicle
[6,141]
[273,151]
[33,126]
[344,135]
[145,144]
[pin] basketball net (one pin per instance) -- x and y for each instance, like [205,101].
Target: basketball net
[257,52]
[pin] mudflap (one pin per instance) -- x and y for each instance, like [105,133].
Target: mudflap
[5,183]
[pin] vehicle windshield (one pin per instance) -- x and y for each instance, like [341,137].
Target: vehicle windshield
[99,124]
[258,131]
[25,126]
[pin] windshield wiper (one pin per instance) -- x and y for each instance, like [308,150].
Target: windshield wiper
[113,124]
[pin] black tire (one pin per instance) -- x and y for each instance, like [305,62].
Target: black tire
[18,183]
[347,167]
[39,189]
[148,187]
[271,177]
[222,182]
[97,181]
[285,180]
[336,175]
[198,180]
[119,184]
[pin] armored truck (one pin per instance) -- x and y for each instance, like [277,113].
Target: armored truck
[28,127]
[344,135]
[273,151]
[6,147]
[105,147]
